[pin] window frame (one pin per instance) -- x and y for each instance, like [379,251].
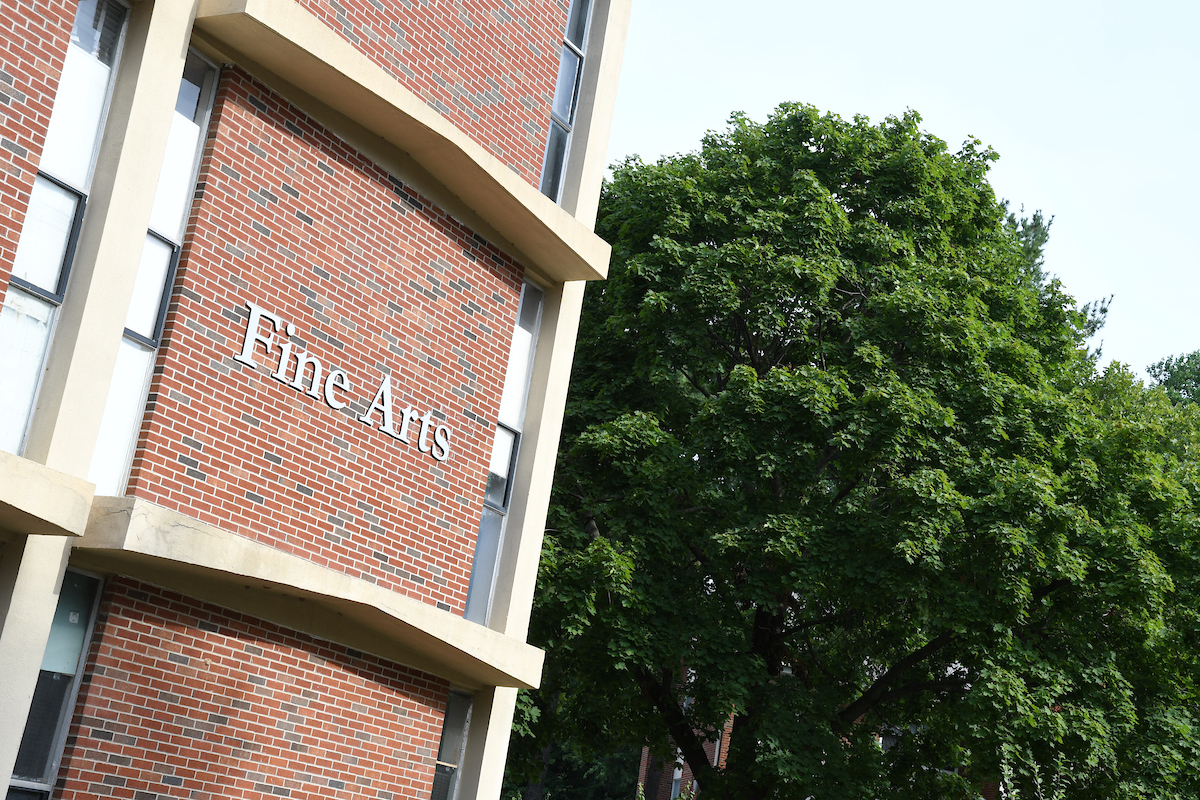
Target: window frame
[452,791]
[63,727]
[207,102]
[553,170]
[164,298]
[118,54]
[64,273]
[513,457]
[58,297]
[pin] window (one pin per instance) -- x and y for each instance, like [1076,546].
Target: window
[566,99]
[676,779]
[450,750]
[126,402]
[36,767]
[498,492]
[44,252]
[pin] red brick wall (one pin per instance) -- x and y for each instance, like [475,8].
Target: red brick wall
[486,65]
[184,699]
[33,43]
[656,776]
[372,275]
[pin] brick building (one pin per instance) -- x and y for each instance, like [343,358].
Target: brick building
[660,779]
[289,299]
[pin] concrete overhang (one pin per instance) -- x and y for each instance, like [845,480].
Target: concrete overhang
[37,499]
[148,542]
[289,41]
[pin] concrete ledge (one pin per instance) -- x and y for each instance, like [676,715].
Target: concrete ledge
[134,537]
[292,43]
[37,499]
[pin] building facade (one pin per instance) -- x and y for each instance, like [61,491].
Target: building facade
[659,779]
[289,299]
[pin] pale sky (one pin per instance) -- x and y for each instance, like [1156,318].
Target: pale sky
[1091,105]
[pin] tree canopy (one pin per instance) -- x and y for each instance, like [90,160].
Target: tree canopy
[837,461]
[1179,376]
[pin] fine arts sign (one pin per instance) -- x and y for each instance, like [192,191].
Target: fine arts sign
[334,386]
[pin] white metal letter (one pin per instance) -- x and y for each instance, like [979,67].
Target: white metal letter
[257,314]
[337,379]
[410,415]
[426,424]
[303,359]
[383,404]
[441,438]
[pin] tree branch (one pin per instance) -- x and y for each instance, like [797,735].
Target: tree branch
[846,490]
[871,697]
[815,622]
[946,685]
[699,554]
[685,737]
[1053,586]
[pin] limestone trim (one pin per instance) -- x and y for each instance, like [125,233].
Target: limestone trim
[512,600]
[145,541]
[91,320]
[37,499]
[586,160]
[292,43]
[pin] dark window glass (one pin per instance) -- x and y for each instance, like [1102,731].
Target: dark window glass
[443,782]
[565,88]
[556,155]
[97,28]
[483,569]
[454,729]
[53,697]
[454,736]
[26,794]
[531,306]
[577,22]
[38,742]
[195,73]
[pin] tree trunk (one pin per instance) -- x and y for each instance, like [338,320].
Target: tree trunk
[535,790]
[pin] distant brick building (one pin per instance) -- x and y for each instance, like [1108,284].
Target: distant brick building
[289,299]
[661,779]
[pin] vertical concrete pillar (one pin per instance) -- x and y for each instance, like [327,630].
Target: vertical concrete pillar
[92,318]
[82,356]
[597,97]
[513,597]
[12,545]
[482,774]
[492,714]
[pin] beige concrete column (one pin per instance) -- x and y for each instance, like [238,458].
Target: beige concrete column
[597,98]
[32,599]
[492,713]
[522,547]
[91,320]
[482,772]
[11,547]
[88,332]
[512,601]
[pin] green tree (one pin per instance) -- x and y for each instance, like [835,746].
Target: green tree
[1179,376]
[566,775]
[1032,234]
[837,461]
